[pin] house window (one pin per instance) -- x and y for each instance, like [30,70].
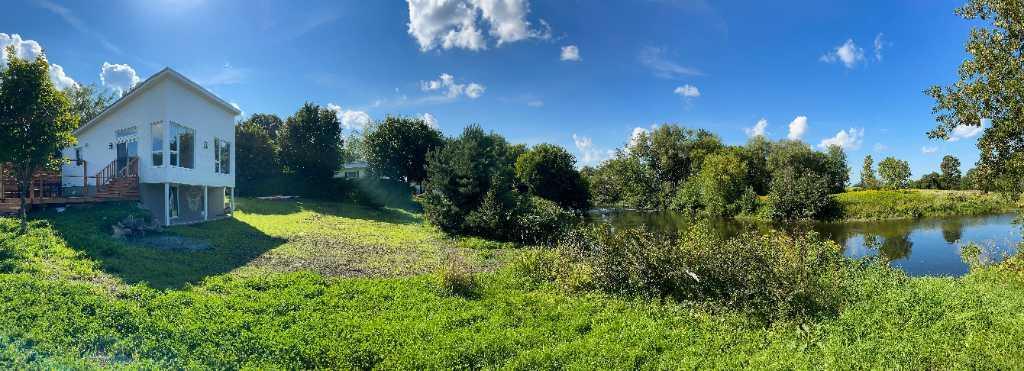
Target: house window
[222,156]
[172,202]
[182,146]
[157,130]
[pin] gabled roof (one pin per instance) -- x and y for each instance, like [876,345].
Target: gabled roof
[166,73]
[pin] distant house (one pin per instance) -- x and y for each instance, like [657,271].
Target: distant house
[353,170]
[166,143]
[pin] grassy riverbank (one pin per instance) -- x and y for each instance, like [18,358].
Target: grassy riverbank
[918,203]
[303,285]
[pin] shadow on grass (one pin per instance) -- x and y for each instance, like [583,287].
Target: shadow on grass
[338,209]
[87,229]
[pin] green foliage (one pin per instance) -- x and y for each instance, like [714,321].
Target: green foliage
[624,181]
[931,180]
[256,157]
[867,174]
[397,147]
[718,189]
[755,154]
[988,88]
[770,275]
[895,173]
[310,143]
[893,204]
[456,278]
[549,171]
[36,120]
[673,153]
[951,177]
[270,123]
[87,101]
[796,195]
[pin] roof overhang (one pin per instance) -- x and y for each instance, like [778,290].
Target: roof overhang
[166,73]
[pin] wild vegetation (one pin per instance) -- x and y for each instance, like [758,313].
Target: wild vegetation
[264,297]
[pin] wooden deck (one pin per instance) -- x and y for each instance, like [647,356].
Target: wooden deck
[47,188]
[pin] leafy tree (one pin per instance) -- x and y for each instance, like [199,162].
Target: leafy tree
[989,88]
[549,171]
[895,173]
[310,143]
[87,101]
[836,169]
[755,154]
[950,172]
[397,147]
[36,121]
[795,195]
[718,188]
[624,181]
[867,174]
[256,157]
[931,180]
[269,122]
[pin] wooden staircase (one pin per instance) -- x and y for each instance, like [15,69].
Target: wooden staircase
[111,184]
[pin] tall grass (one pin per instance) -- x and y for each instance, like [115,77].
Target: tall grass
[904,204]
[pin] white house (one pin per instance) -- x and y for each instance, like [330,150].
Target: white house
[173,136]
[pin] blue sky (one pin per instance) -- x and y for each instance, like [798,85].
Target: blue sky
[722,66]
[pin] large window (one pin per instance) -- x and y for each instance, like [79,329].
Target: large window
[157,130]
[182,146]
[222,156]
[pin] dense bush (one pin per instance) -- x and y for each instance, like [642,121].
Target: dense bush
[470,190]
[799,196]
[772,275]
[256,157]
[718,189]
[895,173]
[310,143]
[549,171]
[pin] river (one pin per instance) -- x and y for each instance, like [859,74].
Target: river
[920,247]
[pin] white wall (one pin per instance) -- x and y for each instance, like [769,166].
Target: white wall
[166,100]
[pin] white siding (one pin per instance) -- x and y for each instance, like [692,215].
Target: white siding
[166,100]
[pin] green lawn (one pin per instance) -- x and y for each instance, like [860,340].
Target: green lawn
[310,284]
[918,203]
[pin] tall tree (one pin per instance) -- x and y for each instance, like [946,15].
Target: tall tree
[87,101]
[397,147]
[835,168]
[36,121]
[549,171]
[895,173]
[867,174]
[950,172]
[310,143]
[989,87]
[269,121]
[257,158]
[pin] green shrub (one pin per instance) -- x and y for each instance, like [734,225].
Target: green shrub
[770,275]
[549,171]
[543,222]
[799,196]
[718,189]
[456,278]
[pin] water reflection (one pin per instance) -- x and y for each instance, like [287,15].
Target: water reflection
[919,247]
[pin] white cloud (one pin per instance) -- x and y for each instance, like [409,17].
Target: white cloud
[848,53]
[687,91]
[571,53]
[929,149]
[430,120]
[879,147]
[29,50]
[59,78]
[589,154]
[758,129]
[457,23]
[119,77]
[654,59]
[797,127]
[474,90]
[451,89]
[636,134]
[967,131]
[845,139]
[350,119]
[879,45]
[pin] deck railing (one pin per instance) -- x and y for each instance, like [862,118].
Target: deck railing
[50,185]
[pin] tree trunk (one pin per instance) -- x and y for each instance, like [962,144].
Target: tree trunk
[23,212]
